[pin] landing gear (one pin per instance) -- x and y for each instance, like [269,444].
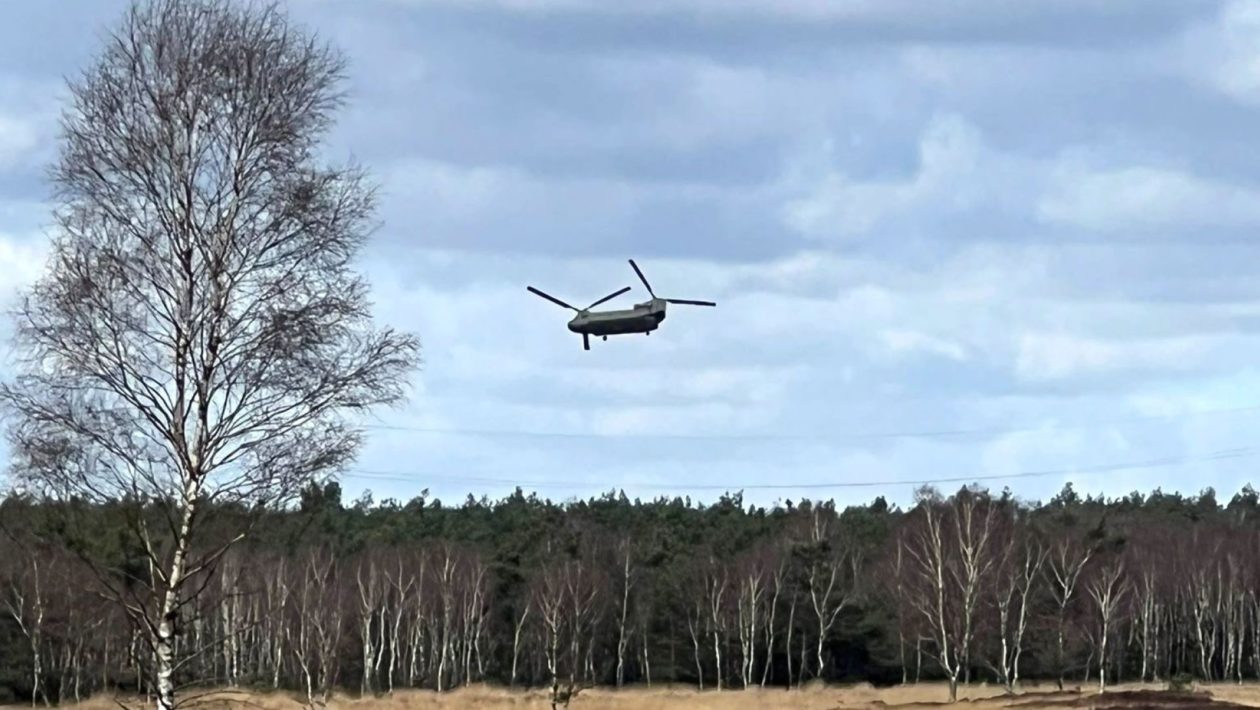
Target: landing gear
[605,338]
[586,341]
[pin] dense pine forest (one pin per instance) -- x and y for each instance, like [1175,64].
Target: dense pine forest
[375,596]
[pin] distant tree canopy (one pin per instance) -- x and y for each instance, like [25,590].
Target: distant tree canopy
[373,597]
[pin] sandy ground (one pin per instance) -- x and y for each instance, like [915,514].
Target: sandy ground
[1126,697]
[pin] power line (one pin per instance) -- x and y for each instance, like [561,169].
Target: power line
[1223,454]
[871,436]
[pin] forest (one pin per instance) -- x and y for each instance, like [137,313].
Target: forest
[369,597]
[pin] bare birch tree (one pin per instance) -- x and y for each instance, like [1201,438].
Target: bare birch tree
[624,549]
[198,337]
[1018,568]
[1146,567]
[1107,587]
[371,616]
[831,576]
[1068,558]
[777,580]
[549,597]
[526,607]
[24,599]
[750,594]
[949,556]
[317,608]
[717,581]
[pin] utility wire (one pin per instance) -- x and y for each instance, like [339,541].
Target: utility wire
[1223,454]
[922,434]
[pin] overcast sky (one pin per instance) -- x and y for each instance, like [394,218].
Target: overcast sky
[955,239]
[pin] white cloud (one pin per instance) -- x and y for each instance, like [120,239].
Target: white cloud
[1022,451]
[908,341]
[525,211]
[463,195]
[696,419]
[958,16]
[749,385]
[701,102]
[21,262]
[18,138]
[955,174]
[1224,52]
[1144,198]
[805,9]
[900,159]
[723,371]
[1236,391]
[1055,356]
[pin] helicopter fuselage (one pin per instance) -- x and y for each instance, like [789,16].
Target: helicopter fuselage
[643,318]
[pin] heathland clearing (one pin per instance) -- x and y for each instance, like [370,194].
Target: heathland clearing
[909,697]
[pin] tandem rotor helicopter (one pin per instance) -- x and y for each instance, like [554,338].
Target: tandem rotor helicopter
[643,318]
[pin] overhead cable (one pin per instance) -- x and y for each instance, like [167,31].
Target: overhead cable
[1168,461]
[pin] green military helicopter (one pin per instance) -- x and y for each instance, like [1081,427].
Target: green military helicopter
[643,318]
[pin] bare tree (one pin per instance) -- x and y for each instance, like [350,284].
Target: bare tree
[1107,587]
[526,607]
[199,336]
[1068,558]
[371,593]
[549,597]
[949,554]
[717,581]
[778,579]
[403,583]
[751,586]
[624,550]
[318,618]
[25,601]
[1147,564]
[831,575]
[1019,565]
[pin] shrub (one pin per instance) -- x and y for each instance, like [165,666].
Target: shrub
[1181,682]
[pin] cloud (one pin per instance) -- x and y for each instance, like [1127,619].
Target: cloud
[914,217]
[18,139]
[513,210]
[957,176]
[1145,200]
[1023,451]
[1076,21]
[1222,52]
[21,262]
[1052,356]
[904,342]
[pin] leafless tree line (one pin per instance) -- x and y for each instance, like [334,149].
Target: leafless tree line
[977,584]
[970,587]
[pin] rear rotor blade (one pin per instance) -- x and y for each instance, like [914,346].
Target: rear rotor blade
[609,297]
[690,303]
[642,278]
[553,299]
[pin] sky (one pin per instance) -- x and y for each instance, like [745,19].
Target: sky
[1014,243]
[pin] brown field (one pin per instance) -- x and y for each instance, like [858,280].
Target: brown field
[978,697]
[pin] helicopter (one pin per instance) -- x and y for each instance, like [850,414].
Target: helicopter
[642,318]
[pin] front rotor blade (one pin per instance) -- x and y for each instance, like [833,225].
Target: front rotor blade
[690,303]
[553,299]
[609,297]
[642,277]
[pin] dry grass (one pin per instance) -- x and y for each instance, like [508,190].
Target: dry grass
[914,697]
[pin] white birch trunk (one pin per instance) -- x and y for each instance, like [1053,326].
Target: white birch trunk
[164,638]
